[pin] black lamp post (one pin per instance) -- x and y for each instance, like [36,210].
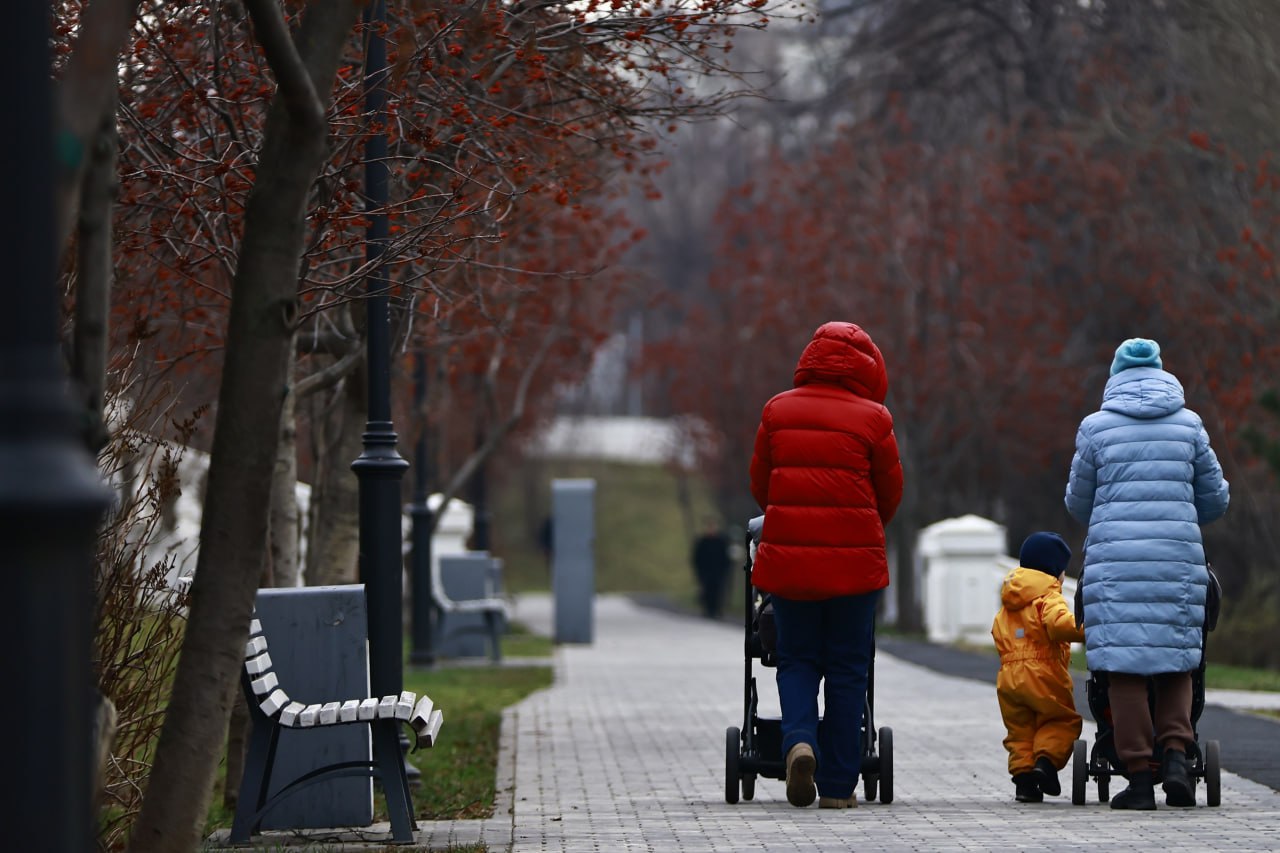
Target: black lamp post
[423,606]
[380,466]
[51,497]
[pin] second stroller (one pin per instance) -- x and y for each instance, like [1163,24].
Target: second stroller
[1101,763]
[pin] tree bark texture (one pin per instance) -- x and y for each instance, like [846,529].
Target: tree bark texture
[284,493]
[87,90]
[233,537]
[905,529]
[333,548]
[95,274]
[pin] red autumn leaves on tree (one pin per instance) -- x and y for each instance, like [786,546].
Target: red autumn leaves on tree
[997,274]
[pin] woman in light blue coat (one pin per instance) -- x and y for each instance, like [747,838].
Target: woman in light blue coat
[1144,479]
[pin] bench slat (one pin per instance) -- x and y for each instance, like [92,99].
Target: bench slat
[265,684]
[368,709]
[309,716]
[430,729]
[273,703]
[387,708]
[255,647]
[349,711]
[289,716]
[257,666]
[421,712]
[404,705]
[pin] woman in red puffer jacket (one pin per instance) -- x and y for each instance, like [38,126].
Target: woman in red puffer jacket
[827,474]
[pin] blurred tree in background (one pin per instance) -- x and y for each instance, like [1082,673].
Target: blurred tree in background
[1001,191]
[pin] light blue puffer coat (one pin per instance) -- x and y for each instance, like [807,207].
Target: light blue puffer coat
[1144,479]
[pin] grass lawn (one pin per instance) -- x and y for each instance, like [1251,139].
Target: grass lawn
[642,535]
[519,642]
[1223,677]
[458,773]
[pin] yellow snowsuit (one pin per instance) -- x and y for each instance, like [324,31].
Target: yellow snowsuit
[1033,632]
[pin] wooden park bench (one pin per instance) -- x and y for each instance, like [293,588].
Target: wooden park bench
[478,594]
[272,709]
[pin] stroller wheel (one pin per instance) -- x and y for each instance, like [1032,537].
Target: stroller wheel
[1213,773]
[886,765]
[1080,772]
[732,747]
[1104,789]
[870,784]
[749,786]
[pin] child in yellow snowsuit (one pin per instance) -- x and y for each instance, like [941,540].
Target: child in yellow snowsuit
[1034,631]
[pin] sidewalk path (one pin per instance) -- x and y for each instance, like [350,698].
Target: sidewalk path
[626,752]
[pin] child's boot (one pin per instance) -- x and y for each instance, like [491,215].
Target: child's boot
[1047,776]
[1140,795]
[1177,779]
[1026,789]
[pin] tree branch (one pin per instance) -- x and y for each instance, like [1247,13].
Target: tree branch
[330,375]
[87,88]
[496,436]
[295,85]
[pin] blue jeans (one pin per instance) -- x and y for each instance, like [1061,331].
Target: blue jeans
[829,640]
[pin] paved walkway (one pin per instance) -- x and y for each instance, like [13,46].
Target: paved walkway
[627,752]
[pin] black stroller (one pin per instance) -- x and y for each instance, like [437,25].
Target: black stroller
[1102,762]
[756,748]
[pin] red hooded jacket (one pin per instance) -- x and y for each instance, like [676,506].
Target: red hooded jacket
[826,471]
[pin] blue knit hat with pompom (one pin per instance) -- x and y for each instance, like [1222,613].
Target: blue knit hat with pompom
[1136,352]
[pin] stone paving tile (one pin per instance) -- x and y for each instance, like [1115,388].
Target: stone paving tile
[627,753]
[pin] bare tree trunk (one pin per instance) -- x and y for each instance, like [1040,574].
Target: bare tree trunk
[87,91]
[233,536]
[282,532]
[333,549]
[284,492]
[94,275]
[906,527]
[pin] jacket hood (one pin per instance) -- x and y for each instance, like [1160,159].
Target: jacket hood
[1143,392]
[843,354]
[1023,586]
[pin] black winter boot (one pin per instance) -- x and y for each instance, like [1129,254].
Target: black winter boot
[1140,795]
[1178,790]
[1026,789]
[1047,775]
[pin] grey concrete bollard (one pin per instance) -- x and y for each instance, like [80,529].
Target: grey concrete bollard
[573,568]
[317,636]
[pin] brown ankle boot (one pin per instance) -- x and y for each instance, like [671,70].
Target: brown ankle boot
[801,765]
[850,802]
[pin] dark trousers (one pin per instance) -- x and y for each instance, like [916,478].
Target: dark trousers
[831,642]
[1135,734]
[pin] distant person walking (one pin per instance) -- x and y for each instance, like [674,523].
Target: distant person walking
[1144,479]
[825,469]
[546,540]
[711,567]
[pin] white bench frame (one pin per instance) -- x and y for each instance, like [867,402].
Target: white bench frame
[272,710]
